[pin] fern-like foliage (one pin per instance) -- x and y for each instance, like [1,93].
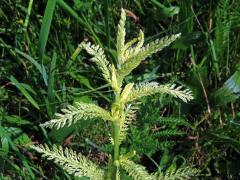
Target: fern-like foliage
[71,161]
[99,58]
[172,121]
[121,35]
[130,49]
[136,171]
[182,173]
[144,141]
[123,110]
[151,133]
[168,133]
[147,89]
[81,111]
[135,56]
[131,55]
[131,116]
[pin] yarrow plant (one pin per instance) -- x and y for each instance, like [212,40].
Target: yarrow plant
[120,114]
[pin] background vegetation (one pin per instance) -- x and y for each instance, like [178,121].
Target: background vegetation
[40,74]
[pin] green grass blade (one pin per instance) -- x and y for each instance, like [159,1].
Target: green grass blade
[24,92]
[29,58]
[4,134]
[44,32]
[107,29]
[51,81]
[28,14]
[215,59]
[45,28]
[15,51]
[70,11]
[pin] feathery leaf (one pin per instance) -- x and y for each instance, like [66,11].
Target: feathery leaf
[147,89]
[128,51]
[121,35]
[72,114]
[130,117]
[71,161]
[98,57]
[168,133]
[172,121]
[126,91]
[134,56]
[182,173]
[136,171]
[130,43]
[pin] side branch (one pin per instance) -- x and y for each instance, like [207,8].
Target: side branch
[82,111]
[148,89]
[74,163]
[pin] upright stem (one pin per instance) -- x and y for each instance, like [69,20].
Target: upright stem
[28,15]
[116,131]
[117,114]
[112,171]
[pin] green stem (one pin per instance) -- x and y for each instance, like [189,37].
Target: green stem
[116,129]
[116,113]
[28,15]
